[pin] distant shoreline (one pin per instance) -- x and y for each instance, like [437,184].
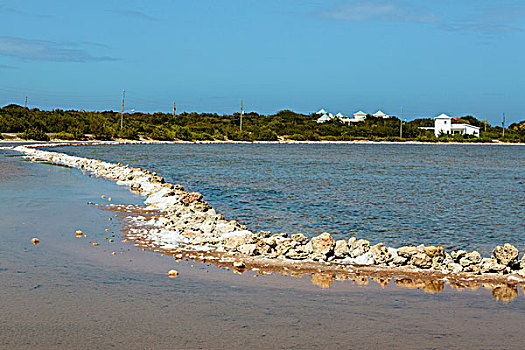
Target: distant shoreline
[281,142]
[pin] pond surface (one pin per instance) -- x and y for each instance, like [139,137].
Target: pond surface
[457,196]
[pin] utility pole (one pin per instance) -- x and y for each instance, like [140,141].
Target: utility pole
[242,113]
[174,109]
[401,124]
[503,124]
[485,121]
[26,103]
[122,112]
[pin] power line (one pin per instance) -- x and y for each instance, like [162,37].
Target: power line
[242,113]
[122,113]
[401,124]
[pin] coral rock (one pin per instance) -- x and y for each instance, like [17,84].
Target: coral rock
[233,242]
[360,247]
[341,249]
[407,251]
[248,249]
[491,265]
[455,267]
[381,254]
[421,260]
[506,255]
[432,251]
[323,244]
[458,254]
[300,238]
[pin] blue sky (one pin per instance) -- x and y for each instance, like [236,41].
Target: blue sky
[458,57]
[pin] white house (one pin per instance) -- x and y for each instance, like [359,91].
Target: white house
[321,111]
[359,115]
[380,114]
[324,118]
[443,124]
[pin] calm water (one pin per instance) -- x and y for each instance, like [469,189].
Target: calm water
[458,196]
[67,294]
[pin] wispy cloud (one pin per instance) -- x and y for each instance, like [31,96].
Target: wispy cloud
[482,28]
[489,22]
[43,50]
[6,66]
[380,11]
[135,15]
[12,10]
[502,14]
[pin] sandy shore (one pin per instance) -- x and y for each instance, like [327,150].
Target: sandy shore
[12,138]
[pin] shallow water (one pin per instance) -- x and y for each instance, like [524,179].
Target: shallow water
[66,293]
[458,196]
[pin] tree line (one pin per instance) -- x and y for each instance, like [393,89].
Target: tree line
[37,124]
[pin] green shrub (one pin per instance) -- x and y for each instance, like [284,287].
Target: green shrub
[202,137]
[427,138]
[34,134]
[128,133]
[183,133]
[458,138]
[78,133]
[345,137]
[266,134]
[103,132]
[297,137]
[313,137]
[218,135]
[329,138]
[394,139]
[64,136]
[479,140]
[242,136]
[162,133]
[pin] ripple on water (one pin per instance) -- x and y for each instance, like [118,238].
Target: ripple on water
[460,196]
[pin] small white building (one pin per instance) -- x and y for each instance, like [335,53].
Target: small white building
[380,114]
[325,118]
[321,111]
[359,115]
[443,125]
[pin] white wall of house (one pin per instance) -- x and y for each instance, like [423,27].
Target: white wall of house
[442,123]
[465,129]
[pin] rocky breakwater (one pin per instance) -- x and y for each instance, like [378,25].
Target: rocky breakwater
[190,221]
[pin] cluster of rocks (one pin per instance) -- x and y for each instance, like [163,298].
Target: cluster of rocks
[187,215]
[355,251]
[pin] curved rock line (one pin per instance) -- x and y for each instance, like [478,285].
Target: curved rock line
[190,222]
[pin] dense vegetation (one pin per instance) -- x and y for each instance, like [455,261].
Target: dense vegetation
[76,125]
